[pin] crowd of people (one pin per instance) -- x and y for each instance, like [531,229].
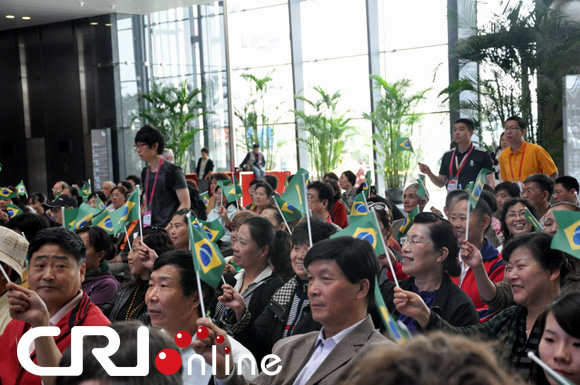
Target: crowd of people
[479,291]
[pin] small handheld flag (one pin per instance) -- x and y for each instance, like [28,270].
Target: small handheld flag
[359,207]
[21,189]
[364,228]
[475,191]
[207,258]
[295,192]
[290,212]
[104,221]
[408,222]
[422,189]
[13,211]
[393,330]
[6,193]
[205,198]
[533,221]
[213,229]
[567,238]
[404,144]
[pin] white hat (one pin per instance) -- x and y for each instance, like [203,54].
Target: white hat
[13,249]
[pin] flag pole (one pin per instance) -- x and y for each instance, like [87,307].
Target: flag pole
[307,209]
[128,240]
[139,207]
[63,217]
[387,251]
[280,211]
[197,278]
[550,371]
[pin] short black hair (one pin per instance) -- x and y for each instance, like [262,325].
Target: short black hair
[28,224]
[70,242]
[324,192]
[566,311]
[37,197]
[261,231]
[150,135]
[481,208]
[544,182]
[350,176]
[568,182]
[467,122]
[128,186]
[184,263]
[539,245]
[521,123]
[511,188]
[506,206]
[452,195]
[205,150]
[442,235]
[320,231]
[355,257]
[271,180]
[331,175]
[134,178]
[100,240]
[219,176]
[265,186]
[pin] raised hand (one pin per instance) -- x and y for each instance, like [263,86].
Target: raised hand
[147,255]
[25,305]
[412,305]
[470,255]
[424,168]
[232,299]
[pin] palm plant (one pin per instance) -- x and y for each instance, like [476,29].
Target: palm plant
[394,118]
[174,111]
[327,131]
[256,117]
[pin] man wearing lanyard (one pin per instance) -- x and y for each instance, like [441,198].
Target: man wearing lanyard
[461,165]
[165,190]
[522,159]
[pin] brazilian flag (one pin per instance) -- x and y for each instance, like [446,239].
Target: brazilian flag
[104,221]
[408,222]
[365,228]
[296,190]
[367,184]
[205,198]
[85,191]
[207,258]
[567,238]
[289,212]
[13,211]
[213,229]
[100,204]
[422,189]
[6,193]
[21,189]
[404,144]
[533,221]
[85,215]
[69,218]
[393,330]
[475,191]
[359,207]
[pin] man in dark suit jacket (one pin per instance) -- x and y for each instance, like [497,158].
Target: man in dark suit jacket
[341,273]
[203,170]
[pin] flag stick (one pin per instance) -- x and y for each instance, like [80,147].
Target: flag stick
[551,372]
[63,217]
[307,209]
[128,240]
[197,278]
[139,208]
[90,187]
[280,211]
[387,251]
[224,280]
[4,273]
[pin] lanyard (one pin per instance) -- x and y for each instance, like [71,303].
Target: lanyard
[521,163]
[154,183]
[460,166]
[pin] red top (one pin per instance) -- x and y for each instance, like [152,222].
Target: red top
[338,215]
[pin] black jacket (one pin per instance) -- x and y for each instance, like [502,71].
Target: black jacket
[208,167]
[451,303]
[113,308]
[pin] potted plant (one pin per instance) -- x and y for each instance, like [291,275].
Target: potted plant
[174,111]
[393,118]
[327,131]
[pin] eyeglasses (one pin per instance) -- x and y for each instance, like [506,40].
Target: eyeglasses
[413,242]
[511,128]
[139,145]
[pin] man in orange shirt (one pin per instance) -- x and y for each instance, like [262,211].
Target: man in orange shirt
[522,159]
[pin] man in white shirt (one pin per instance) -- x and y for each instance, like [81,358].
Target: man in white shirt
[174,306]
[341,275]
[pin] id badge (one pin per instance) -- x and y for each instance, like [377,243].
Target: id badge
[147,218]
[452,185]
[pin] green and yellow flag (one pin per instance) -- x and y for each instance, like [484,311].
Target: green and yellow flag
[69,218]
[407,223]
[295,192]
[213,229]
[289,212]
[100,204]
[6,193]
[567,238]
[13,211]
[404,144]
[207,258]
[205,198]
[85,191]
[475,191]
[84,216]
[104,221]
[126,213]
[422,189]
[367,228]
[533,221]
[395,333]
[367,184]
[359,207]
[21,189]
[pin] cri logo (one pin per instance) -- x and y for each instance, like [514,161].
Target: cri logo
[168,361]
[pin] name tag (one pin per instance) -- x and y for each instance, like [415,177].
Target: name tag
[147,218]
[452,185]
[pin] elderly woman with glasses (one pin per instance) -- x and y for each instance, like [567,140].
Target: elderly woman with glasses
[429,257]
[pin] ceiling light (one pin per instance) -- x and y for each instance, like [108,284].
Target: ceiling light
[26,18]
[108,25]
[94,23]
[10,16]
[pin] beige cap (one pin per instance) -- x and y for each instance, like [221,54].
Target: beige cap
[13,249]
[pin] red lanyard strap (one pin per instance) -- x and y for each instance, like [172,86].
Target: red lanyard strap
[521,163]
[154,184]
[458,167]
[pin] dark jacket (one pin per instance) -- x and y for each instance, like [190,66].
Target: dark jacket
[452,304]
[113,308]
[208,168]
